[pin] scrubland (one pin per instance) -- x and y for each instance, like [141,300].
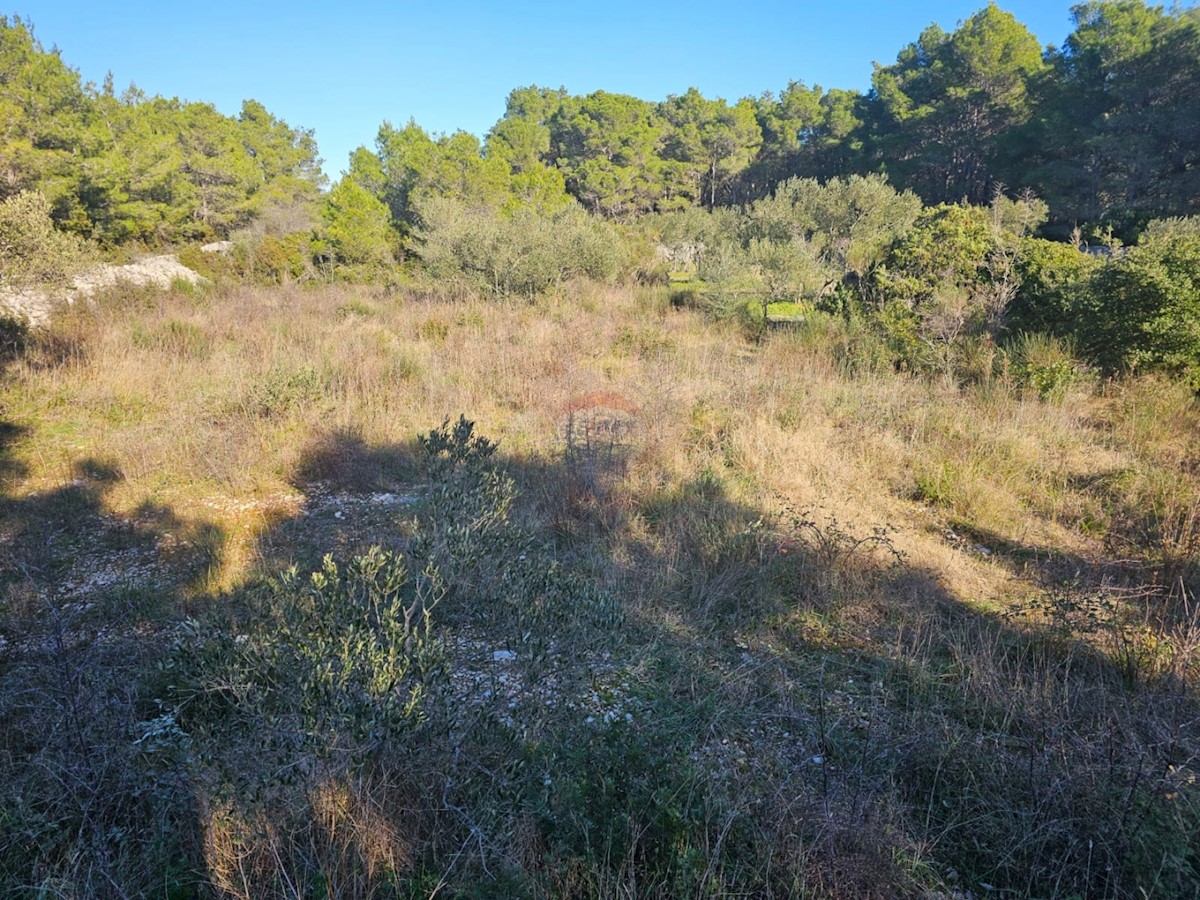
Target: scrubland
[686,612]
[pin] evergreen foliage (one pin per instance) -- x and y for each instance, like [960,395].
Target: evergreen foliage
[128,167]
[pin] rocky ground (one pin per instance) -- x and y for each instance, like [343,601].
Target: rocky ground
[36,304]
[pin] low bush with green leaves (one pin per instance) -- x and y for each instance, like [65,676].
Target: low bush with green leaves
[523,251]
[335,666]
[1045,365]
[33,253]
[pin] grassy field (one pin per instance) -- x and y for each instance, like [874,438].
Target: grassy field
[717,616]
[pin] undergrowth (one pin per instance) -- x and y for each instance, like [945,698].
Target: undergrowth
[676,613]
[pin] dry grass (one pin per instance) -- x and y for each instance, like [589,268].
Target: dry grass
[858,724]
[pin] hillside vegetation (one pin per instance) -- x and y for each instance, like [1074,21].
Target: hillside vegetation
[716,616]
[774,505]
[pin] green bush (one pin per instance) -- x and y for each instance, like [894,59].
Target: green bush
[335,665]
[1044,364]
[1144,307]
[1055,280]
[32,252]
[281,391]
[524,251]
[947,248]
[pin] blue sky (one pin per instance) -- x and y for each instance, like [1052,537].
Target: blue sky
[341,69]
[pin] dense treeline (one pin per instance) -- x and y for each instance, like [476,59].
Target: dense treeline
[891,206]
[128,167]
[1104,128]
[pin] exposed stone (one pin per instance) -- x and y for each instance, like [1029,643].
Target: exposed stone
[157,271]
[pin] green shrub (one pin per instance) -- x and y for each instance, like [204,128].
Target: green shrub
[644,343]
[32,252]
[1044,365]
[332,666]
[282,391]
[1055,279]
[524,251]
[686,290]
[213,266]
[947,248]
[434,329]
[1144,308]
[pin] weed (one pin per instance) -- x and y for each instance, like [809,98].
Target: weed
[831,563]
[174,337]
[1044,365]
[284,390]
[353,308]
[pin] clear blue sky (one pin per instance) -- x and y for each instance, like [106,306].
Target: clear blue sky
[341,69]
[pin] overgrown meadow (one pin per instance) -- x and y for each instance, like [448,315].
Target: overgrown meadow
[651,499]
[675,611]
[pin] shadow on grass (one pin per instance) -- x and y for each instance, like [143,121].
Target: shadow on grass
[85,598]
[665,695]
[767,712]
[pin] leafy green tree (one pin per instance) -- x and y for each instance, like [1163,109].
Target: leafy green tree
[939,110]
[523,251]
[944,292]
[522,137]
[135,188]
[132,167]
[522,141]
[43,116]
[358,229]
[219,175]
[289,175]
[712,141]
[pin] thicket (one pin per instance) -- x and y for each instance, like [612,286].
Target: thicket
[807,219]
[523,252]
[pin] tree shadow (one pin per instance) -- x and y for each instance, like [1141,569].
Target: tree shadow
[706,686]
[758,693]
[86,599]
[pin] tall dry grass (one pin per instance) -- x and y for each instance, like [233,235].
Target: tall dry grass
[857,717]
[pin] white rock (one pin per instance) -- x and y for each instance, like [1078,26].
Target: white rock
[36,305]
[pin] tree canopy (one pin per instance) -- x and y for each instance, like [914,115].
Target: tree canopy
[130,167]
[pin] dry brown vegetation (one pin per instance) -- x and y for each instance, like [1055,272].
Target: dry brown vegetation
[879,635]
